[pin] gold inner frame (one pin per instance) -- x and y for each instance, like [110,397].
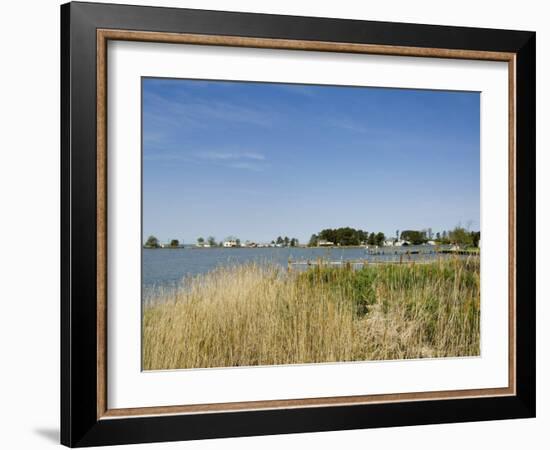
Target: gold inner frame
[104,35]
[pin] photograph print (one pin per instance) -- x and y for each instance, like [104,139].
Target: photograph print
[300,224]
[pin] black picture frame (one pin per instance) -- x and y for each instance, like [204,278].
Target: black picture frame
[80,425]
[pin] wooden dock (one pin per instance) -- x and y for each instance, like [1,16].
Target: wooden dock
[400,258]
[356,262]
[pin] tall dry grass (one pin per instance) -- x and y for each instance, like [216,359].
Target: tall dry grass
[260,315]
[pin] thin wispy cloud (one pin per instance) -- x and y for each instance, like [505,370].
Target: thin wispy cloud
[185,110]
[228,156]
[244,165]
[253,161]
[166,156]
[350,125]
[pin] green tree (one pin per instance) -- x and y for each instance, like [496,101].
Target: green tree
[461,236]
[344,236]
[211,241]
[379,238]
[152,242]
[238,242]
[313,240]
[328,235]
[372,239]
[279,240]
[200,241]
[293,242]
[415,237]
[174,243]
[438,236]
[286,241]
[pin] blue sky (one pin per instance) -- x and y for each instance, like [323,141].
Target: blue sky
[259,160]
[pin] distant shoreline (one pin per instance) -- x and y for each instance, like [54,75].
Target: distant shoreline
[436,247]
[253,248]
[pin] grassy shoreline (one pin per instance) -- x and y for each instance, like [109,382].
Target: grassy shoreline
[261,315]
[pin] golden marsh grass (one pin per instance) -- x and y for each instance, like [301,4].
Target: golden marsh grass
[261,315]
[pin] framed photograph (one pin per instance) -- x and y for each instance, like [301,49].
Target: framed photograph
[276,224]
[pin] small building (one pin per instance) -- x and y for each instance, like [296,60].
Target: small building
[230,244]
[324,243]
[431,243]
[389,243]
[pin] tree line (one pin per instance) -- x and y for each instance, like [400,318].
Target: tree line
[285,242]
[346,236]
[153,242]
[458,235]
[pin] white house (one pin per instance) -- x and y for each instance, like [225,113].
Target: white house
[324,243]
[389,243]
[229,244]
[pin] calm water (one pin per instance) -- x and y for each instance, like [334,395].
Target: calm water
[166,267]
